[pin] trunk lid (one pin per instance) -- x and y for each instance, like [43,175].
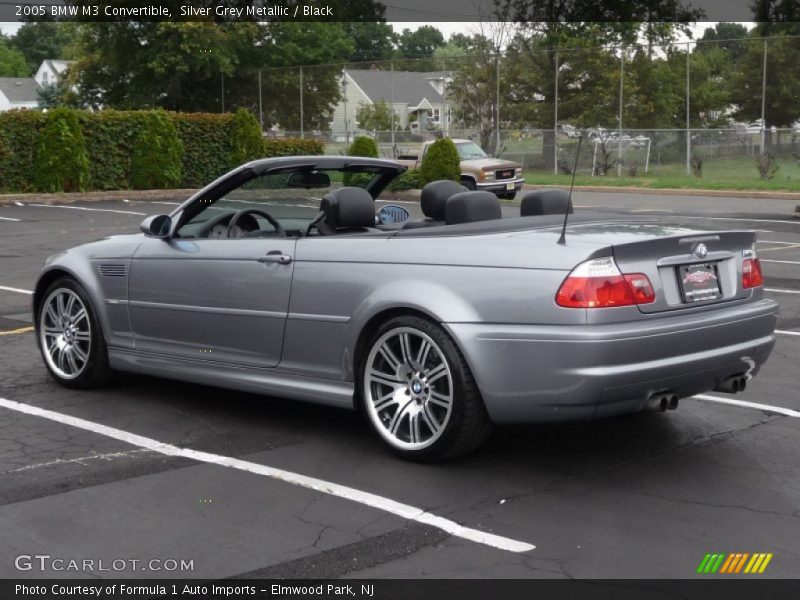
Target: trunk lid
[684,266]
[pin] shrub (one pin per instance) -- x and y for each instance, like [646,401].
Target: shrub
[157,152]
[361,146]
[61,162]
[248,144]
[697,165]
[409,180]
[292,147]
[208,142]
[440,162]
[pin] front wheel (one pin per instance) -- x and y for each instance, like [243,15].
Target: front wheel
[419,393]
[70,338]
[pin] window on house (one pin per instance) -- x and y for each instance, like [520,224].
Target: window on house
[436,115]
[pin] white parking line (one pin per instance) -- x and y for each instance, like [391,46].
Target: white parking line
[788,412]
[122,212]
[740,219]
[775,242]
[17,290]
[9,219]
[405,511]
[781,291]
[783,262]
[784,332]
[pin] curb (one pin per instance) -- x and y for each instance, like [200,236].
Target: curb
[69,198]
[673,191]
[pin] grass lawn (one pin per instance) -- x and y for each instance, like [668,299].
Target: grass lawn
[736,173]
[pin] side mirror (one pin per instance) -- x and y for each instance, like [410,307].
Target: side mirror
[393,214]
[157,226]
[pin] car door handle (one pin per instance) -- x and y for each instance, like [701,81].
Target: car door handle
[276,256]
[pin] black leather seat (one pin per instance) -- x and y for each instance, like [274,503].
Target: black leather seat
[346,210]
[432,201]
[470,207]
[544,202]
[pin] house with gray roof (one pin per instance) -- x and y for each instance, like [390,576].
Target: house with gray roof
[51,71]
[18,92]
[413,96]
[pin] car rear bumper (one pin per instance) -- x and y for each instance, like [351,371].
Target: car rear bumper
[500,186]
[530,373]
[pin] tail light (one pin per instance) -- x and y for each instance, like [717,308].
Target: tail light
[751,273]
[598,283]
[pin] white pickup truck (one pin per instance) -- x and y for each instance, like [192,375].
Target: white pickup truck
[479,171]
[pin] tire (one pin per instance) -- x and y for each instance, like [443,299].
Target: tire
[70,338]
[507,195]
[423,404]
[469,183]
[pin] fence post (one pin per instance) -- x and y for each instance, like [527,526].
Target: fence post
[497,123]
[619,118]
[260,104]
[764,101]
[302,132]
[391,114]
[688,122]
[555,123]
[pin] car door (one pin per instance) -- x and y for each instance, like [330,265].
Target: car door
[221,300]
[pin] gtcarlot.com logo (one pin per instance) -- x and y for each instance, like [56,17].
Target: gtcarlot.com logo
[734,563]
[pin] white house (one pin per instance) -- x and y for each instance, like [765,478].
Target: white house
[18,92]
[414,97]
[51,70]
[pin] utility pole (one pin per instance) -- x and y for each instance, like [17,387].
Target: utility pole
[497,117]
[222,94]
[688,122]
[260,104]
[619,117]
[764,101]
[555,123]
[302,132]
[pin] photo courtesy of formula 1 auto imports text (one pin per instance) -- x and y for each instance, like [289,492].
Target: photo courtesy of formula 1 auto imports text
[330,299]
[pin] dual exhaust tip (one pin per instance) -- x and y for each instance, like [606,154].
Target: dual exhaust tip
[664,402]
[733,385]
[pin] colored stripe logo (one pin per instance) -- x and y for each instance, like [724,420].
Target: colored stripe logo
[734,563]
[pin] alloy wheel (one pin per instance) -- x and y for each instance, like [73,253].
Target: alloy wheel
[65,333]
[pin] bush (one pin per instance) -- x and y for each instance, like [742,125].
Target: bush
[292,147]
[440,162]
[363,146]
[767,166]
[157,152]
[209,144]
[61,162]
[409,180]
[248,144]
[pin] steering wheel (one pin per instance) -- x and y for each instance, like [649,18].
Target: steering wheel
[255,211]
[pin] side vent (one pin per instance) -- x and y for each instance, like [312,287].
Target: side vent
[113,269]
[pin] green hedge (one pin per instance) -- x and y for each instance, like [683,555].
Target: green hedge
[212,145]
[61,162]
[440,162]
[157,152]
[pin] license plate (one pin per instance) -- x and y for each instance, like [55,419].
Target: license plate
[699,282]
[510,186]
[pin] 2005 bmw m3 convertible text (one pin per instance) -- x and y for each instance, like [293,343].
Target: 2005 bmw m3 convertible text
[280,278]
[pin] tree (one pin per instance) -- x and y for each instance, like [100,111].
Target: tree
[371,41]
[377,117]
[440,162]
[42,40]
[12,62]
[417,48]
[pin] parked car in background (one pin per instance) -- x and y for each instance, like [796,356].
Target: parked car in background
[479,171]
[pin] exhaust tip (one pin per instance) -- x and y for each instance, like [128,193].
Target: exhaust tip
[663,404]
[742,384]
[735,386]
[673,402]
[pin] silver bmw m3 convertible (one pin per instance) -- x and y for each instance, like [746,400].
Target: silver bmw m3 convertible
[280,278]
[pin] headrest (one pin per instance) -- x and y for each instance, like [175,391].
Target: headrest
[544,202]
[468,207]
[434,196]
[348,207]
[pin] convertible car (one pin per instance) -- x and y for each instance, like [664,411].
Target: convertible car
[280,278]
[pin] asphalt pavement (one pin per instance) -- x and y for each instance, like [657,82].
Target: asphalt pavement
[643,496]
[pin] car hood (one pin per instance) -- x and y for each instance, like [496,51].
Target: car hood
[485,163]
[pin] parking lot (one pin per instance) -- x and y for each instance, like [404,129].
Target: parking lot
[227,484]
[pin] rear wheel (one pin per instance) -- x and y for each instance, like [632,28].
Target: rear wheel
[419,394]
[70,338]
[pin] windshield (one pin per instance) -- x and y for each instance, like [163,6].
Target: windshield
[468,150]
[291,197]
